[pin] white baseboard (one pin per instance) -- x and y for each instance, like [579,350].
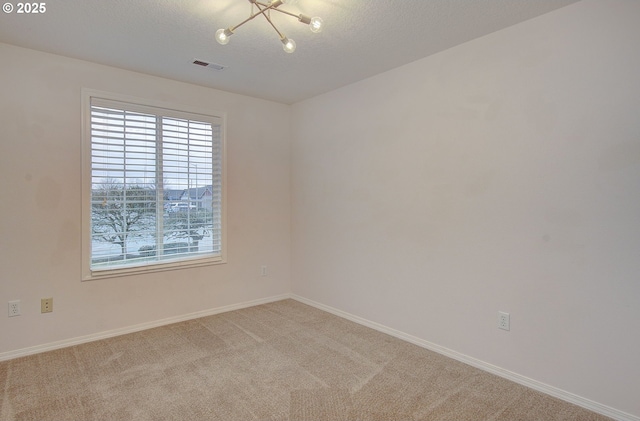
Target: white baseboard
[509,375]
[135,328]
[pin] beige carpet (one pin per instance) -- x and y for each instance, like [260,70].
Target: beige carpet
[279,361]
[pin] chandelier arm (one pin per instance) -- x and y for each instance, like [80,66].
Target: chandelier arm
[259,12]
[269,19]
[274,27]
[301,18]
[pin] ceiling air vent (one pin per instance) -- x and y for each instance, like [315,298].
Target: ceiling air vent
[212,66]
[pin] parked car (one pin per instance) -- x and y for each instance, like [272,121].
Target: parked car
[181,207]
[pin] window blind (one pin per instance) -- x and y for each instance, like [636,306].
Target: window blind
[156,185]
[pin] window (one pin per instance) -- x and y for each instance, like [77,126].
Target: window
[153,187]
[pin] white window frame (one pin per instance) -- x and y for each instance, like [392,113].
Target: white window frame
[178,111]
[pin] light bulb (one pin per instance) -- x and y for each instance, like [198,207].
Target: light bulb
[316,24]
[288,45]
[222,36]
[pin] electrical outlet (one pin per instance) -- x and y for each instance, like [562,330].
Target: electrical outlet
[14,308]
[263,270]
[504,320]
[46,305]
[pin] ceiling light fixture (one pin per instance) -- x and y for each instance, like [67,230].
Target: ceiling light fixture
[264,9]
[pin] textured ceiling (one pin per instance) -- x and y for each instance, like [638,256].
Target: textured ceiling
[361,38]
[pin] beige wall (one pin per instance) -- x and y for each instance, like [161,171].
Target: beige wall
[40,209]
[503,174]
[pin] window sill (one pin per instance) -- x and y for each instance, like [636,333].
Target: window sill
[92,275]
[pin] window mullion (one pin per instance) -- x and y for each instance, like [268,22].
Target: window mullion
[189,182]
[125,226]
[159,190]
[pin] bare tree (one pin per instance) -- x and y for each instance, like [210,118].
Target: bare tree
[120,212]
